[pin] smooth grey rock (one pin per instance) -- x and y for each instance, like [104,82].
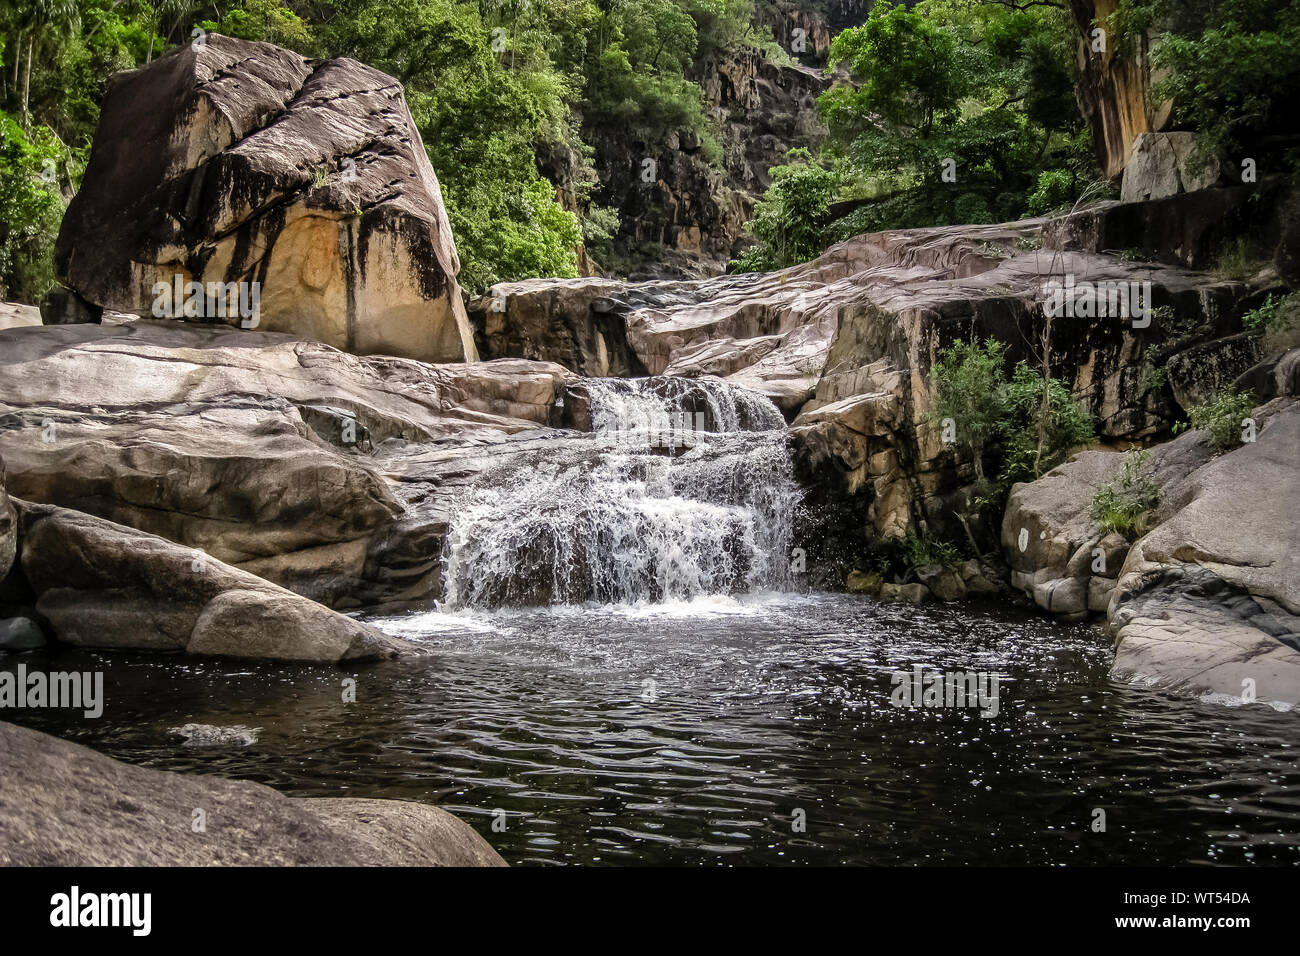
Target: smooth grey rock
[101,584]
[62,804]
[20,634]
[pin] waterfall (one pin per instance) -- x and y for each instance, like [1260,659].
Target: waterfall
[683,489]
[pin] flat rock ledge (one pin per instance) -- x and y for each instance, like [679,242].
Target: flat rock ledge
[62,804]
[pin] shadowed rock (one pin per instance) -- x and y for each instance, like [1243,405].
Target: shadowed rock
[101,584]
[62,804]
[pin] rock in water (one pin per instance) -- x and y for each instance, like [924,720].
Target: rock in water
[229,161]
[209,735]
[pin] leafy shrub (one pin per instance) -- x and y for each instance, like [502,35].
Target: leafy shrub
[1222,416]
[970,389]
[1123,505]
[1276,312]
[1040,430]
[1055,191]
[923,550]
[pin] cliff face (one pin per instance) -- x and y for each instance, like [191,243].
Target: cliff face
[1113,86]
[681,216]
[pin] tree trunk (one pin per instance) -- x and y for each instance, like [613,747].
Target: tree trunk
[27,80]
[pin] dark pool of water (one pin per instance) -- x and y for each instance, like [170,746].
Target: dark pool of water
[699,734]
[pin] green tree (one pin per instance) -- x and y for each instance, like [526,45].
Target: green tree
[970,395]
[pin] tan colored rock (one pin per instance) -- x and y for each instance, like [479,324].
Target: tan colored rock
[229,161]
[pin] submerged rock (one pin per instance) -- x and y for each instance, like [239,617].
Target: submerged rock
[228,161]
[209,735]
[62,804]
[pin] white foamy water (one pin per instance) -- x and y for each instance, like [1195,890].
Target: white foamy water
[622,519]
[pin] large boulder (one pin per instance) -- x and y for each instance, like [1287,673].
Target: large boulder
[1165,164]
[62,804]
[228,161]
[100,584]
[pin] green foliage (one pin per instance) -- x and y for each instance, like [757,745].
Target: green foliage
[1231,67]
[1222,416]
[494,87]
[31,207]
[923,550]
[1043,424]
[1124,504]
[1277,312]
[790,220]
[970,389]
[1238,260]
[958,112]
[1055,191]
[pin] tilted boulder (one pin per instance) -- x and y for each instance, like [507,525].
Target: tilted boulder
[101,584]
[1205,600]
[234,162]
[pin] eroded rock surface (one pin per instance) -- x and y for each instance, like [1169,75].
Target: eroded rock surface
[254,447]
[238,162]
[844,344]
[62,804]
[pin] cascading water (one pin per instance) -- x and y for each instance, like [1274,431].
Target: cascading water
[684,489]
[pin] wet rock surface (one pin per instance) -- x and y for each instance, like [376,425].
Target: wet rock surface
[254,447]
[1205,599]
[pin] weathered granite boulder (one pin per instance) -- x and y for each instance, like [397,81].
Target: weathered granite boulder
[1209,596]
[234,162]
[1162,164]
[62,804]
[255,447]
[100,584]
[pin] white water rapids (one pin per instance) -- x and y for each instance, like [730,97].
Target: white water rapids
[640,511]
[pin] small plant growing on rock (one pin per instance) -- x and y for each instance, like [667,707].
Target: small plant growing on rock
[1123,505]
[1222,416]
[1277,312]
[924,550]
